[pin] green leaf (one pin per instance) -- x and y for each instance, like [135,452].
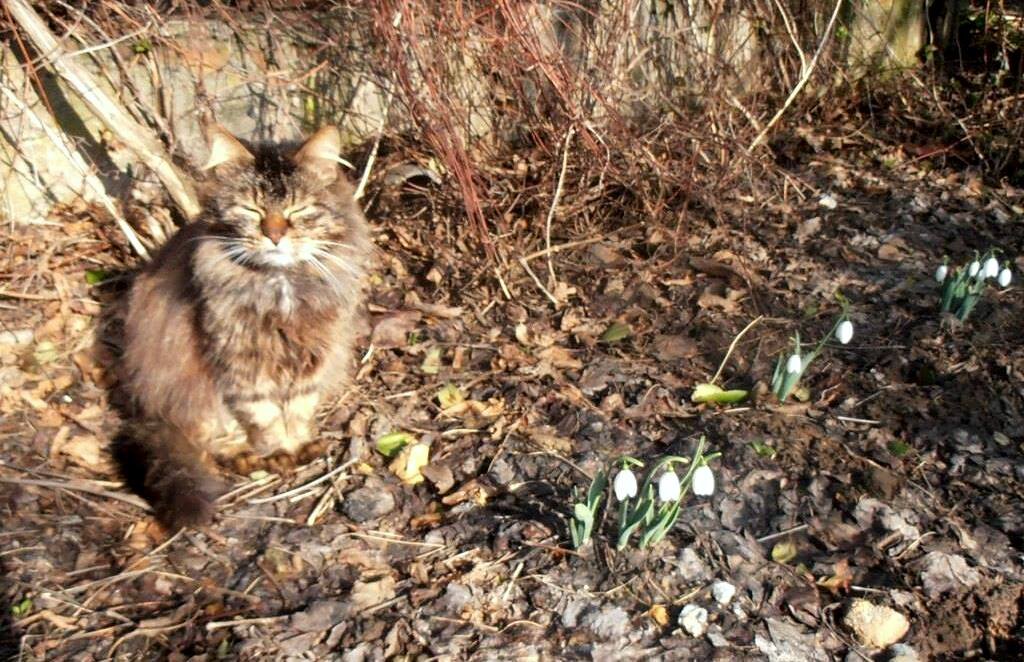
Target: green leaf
[642,511]
[763,449]
[96,276]
[22,608]
[784,552]
[391,443]
[712,393]
[633,520]
[596,489]
[899,448]
[666,521]
[616,332]
[582,513]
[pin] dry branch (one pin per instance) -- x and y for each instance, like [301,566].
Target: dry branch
[75,159]
[139,139]
[807,70]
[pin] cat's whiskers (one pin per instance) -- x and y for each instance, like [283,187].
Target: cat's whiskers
[319,243]
[233,250]
[337,262]
[331,279]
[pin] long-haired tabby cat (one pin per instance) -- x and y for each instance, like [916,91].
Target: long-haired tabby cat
[244,320]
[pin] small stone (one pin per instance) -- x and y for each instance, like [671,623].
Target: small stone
[875,626]
[368,502]
[828,202]
[716,637]
[691,567]
[609,623]
[903,653]
[694,620]
[723,592]
[946,573]
[456,597]
[572,611]
[298,645]
[320,616]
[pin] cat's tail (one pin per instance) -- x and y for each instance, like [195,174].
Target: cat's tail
[164,467]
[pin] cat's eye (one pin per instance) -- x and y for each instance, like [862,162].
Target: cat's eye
[299,212]
[246,210]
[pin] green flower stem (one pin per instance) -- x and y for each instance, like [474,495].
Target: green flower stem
[627,461]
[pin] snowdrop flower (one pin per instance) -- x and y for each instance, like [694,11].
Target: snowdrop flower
[668,487]
[845,331]
[1004,277]
[793,365]
[991,267]
[624,485]
[973,270]
[940,273]
[703,481]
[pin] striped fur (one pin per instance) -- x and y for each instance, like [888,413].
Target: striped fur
[245,320]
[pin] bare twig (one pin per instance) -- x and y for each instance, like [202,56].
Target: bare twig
[732,346]
[536,280]
[302,488]
[135,136]
[361,188]
[75,159]
[79,487]
[554,206]
[265,620]
[805,76]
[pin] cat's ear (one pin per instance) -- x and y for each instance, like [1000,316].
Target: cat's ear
[225,148]
[321,153]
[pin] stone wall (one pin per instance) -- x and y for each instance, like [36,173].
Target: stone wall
[263,85]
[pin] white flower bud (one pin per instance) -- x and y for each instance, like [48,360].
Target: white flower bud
[793,365]
[991,268]
[973,270]
[940,273]
[624,485]
[1005,276]
[668,487]
[845,331]
[703,481]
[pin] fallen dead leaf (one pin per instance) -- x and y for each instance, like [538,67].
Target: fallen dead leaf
[658,614]
[409,461]
[85,451]
[840,579]
[393,330]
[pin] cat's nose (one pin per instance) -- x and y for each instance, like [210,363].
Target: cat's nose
[274,227]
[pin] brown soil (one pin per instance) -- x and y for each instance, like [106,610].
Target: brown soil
[906,455]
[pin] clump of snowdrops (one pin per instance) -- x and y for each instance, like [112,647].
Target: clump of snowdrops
[650,508]
[962,288]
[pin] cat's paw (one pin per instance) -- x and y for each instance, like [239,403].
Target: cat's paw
[312,451]
[249,462]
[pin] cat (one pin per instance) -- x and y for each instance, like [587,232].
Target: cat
[243,322]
